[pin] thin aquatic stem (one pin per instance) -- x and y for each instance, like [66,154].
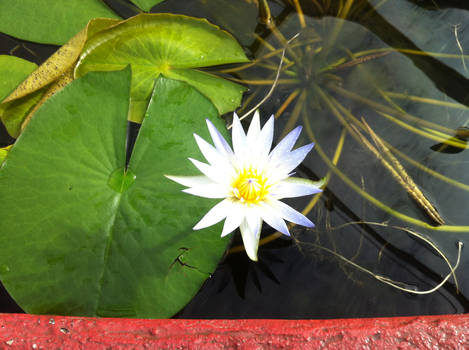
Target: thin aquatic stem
[273,52]
[287,102]
[409,184]
[292,121]
[376,202]
[300,13]
[424,100]
[426,134]
[402,155]
[381,108]
[318,6]
[277,75]
[265,81]
[391,282]
[345,8]
[265,16]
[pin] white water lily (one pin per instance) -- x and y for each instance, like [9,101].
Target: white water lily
[251,179]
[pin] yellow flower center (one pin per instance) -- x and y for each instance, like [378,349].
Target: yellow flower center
[250,186]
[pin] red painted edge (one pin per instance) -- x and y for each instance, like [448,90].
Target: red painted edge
[19,331]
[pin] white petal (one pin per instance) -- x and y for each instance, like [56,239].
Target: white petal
[273,218]
[218,140]
[213,156]
[191,181]
[209,191]
[250,240]
[285,146]
[294,158]
[215,215]
[254,129]
[234,219]
[238,138]
[295,187]
[264,142]
[216,174]
[291,214]
[254,220]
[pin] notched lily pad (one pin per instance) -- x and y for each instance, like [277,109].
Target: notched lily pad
[104,241]
[167,45]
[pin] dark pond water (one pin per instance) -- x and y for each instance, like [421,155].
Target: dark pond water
[401,66]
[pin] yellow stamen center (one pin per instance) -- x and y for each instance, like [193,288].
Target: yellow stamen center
[250,186]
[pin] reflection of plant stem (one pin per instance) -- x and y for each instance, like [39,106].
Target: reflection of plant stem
[379,107]
[293,119]
[300,13]
[429,135]
[398,172]
[425,100]
[395,284]
[287,102]
[344,11]
[274,85]
[375,201]
[332,103]
[360,60]
[460,47]
[265,81]
[265,17]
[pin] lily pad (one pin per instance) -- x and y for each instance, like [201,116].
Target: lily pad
[146,5]
[449,41]
[3,153]
[13,70]
[83,236]
[49,21]
[51,76]
[167,45]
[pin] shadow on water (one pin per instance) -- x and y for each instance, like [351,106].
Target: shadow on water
[353,68]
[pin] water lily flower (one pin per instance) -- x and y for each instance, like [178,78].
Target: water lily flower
[252,179]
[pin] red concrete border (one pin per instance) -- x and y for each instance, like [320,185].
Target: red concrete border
[18,331]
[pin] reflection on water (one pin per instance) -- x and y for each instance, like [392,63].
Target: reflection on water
[350,64]
[391,214]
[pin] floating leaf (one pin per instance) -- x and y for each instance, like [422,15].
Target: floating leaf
[3,153]
[49,21]
[102,241]
[55,71]
[13,70]
[448,43]
[13,113]
[146,5]
[168,45]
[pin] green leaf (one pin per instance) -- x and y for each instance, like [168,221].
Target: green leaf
[146,5]
[4,152]
[82,237]
[49,21]
[13,113]
[13,71]
[155,44]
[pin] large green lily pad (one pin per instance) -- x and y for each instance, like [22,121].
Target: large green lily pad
[49,21]
[80,236]
[146,4]
[167,45]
